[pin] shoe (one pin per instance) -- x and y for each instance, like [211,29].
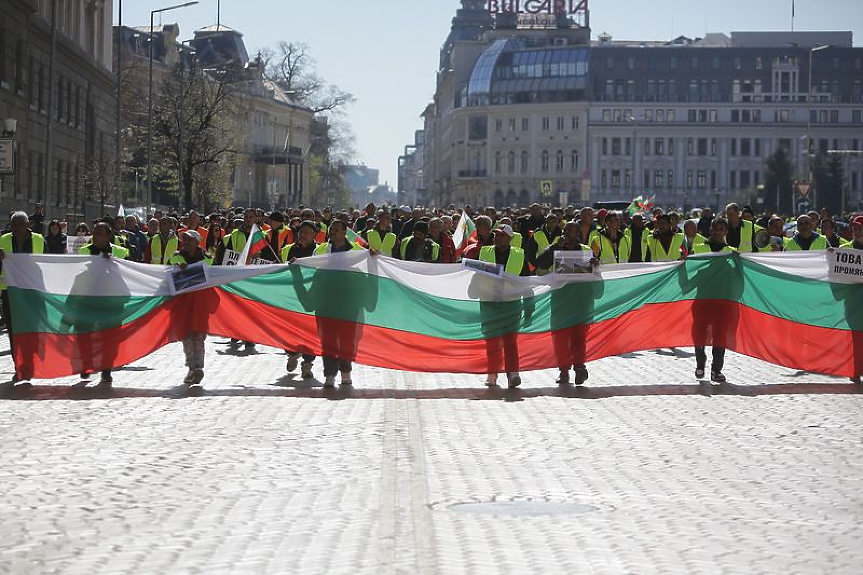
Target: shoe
[857,379]
[513,380]
[581,375]
[563,378]
[330,382]
[85,376]
[717,377]
[188,379]
[491,381]
[197,377]
[306,370]
[292,363]
[234,342]
[249,346]
[699,373]
[346,378]
[106,381]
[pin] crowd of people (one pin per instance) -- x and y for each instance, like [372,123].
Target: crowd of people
[522,242]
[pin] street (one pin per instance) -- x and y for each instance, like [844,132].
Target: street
[642,471]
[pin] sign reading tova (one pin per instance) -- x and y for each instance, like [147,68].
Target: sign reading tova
[846,266]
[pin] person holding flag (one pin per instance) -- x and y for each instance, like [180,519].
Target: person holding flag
[193,344]
[465,230]
[303,248]
[268,245]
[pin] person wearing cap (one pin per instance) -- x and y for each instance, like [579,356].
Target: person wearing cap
[741,232]
[513,262]
[600,218]
[517,238]
[304,247]
[419,247]
[381,238]
[609,244]
[664,244]
[541,239]
[193,344]
[856,241]
[806,239]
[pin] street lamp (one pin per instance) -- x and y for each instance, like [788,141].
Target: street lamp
[181,121]
[150,99]
[809,119]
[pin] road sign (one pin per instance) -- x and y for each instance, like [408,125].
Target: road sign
[802,206]
[545,187]
[7,156]
[803,188]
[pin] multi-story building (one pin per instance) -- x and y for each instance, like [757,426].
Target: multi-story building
[61,96]
[270,166]
[411,184]
[359,179]
[530,109]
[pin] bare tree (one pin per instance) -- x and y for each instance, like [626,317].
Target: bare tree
[291,66]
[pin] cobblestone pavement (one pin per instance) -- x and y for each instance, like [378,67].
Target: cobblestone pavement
[643,471]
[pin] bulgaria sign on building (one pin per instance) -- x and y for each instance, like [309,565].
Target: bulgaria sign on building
[537,6]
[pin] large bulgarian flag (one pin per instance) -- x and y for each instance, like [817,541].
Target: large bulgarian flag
[79,313]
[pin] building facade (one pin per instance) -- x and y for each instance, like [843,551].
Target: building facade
[411,182]
[64,113]
[531,109]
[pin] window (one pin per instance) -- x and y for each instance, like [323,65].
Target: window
[478,128]
[40,91]
[745,179]
[658,145]
[510,163]
[856,116]
[733,146]
[497,158]
[738,64]
[692,115]
[646,180]
[575,122]
[670,179]
[605,146]
[702,179]
[573,161]
[689,179]
[713,116]
[690,147]
[647,146]
[834,116]
[670,146]
[615,178]
[525,162]
[712,179]
[546,124]
[745,147]
[559,162]
[60,99]
[757,146]
[759,64]
[498,125]
[628,145]
[525,124]
[19,67]
[544,158]
[733,180]
[657,180]
[669,115]
[609,63]
[615,146]
[630,63]
[512,124]
[660,115]
[693,63]
[651,63]
[648,115]
[603,180]
[606,115]
[784,116]
[735,116]
[560,123]
[702,146]
[672,63]
[715,62]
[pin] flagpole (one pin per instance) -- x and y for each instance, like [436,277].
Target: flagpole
[793,14]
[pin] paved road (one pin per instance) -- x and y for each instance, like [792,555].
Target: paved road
[644,471]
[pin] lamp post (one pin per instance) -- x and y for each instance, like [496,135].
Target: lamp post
[181,121]
[809,120]
[150,99]
[634,121]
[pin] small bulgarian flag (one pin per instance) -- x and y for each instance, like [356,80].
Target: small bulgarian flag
[257,241]
[464,230]
[355,238]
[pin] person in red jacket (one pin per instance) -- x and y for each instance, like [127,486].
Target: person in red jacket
[443,239]
[484,237]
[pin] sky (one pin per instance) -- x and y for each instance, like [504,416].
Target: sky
[385,52]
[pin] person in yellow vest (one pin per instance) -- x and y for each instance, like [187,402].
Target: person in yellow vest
[664,245]
[101,245]
[542,238]
[806,239]
[303,248]
[340,345]
[609,244]
[381,238]
[691,237]
[19,241]
[278,236]
[235,242]
[419,247]
[504,350]
[163,245]
[193,344]
[702,310]
[856,242]
[517,238]
[741,232]
[569,343]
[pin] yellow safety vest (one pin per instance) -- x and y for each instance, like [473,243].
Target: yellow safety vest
[517,240]
[118,252]
[747,233]
[324,249]
[645,233]
[514,263]
[658,253]
[606,249]
[237,239]
[849,245]
[6,244]
[179,259]
[820,243]
[435,248]
[385,245]
[541,239]
[161,256]
[706,249]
